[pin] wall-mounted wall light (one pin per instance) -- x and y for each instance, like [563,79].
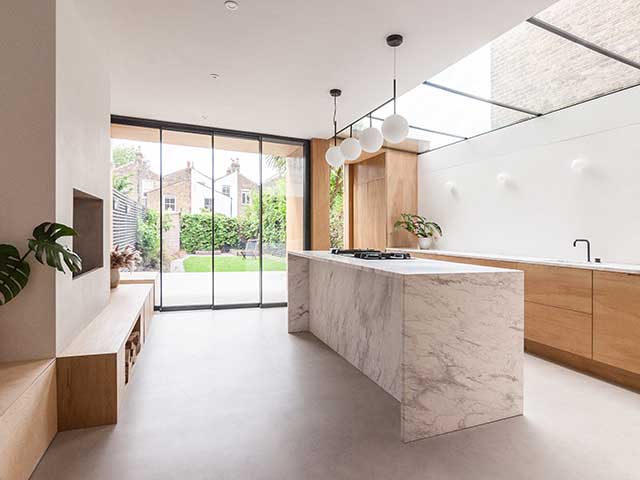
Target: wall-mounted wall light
[503,179]
[450,186]
[579,165]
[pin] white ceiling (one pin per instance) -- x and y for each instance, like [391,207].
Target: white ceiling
[277,59]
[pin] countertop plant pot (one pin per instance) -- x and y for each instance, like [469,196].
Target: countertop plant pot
[425,243]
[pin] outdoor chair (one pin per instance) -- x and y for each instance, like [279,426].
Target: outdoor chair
[250,249]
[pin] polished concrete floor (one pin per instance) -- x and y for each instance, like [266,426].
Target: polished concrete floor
[230,395]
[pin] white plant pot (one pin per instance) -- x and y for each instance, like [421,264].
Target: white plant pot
[426,243]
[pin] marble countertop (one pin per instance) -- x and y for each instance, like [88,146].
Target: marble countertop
[413,266]
[606,267]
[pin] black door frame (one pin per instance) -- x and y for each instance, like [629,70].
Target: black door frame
[213,132]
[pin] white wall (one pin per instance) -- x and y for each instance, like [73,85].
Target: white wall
[547,204]
[27,137]
[82,156]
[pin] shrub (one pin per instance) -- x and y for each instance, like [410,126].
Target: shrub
[195,232]
[149,240]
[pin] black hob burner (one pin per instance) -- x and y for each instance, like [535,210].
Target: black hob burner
[369,254]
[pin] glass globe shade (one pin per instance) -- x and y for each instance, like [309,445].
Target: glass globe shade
[334,157]
[350,148]
[395,128]
[371,140]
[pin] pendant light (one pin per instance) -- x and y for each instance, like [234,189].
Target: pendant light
[334,156]
[370,138]
[395,128]
[350,147]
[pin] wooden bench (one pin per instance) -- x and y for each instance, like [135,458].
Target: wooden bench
[152,278]
[91,371]
[27,415]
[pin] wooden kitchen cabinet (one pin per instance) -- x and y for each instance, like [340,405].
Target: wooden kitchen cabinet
[468,261]
[562,287]
[616,320]
[558,328]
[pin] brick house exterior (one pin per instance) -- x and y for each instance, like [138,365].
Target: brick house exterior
[141,178]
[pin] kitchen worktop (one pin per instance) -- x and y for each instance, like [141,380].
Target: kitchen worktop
[605,267]
[444,339]
[412,266]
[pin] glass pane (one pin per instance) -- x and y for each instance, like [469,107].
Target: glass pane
[430,140]
[186,204]
[536,70]
[436,109]
[282,214]
[237,231]
[135,153]
[611,24]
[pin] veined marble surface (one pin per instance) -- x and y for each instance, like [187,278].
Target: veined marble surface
[463,352]
[447,343]
[413,266]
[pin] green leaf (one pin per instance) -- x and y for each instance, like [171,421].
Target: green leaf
[14,273]
[47,249]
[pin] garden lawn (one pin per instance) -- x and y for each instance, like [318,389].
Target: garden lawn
[223,263]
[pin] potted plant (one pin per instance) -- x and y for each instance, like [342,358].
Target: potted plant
[427,232]
[14,268]
[125,258]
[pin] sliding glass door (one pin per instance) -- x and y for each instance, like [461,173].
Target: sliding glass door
[213,213]
[237,227]
[186,203]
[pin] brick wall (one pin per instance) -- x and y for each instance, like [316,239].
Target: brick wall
[539,71]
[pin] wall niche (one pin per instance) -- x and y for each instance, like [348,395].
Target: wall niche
[88,223]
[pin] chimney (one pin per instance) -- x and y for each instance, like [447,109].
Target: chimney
[234,167]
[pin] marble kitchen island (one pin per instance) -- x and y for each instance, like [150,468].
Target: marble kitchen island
[444,339]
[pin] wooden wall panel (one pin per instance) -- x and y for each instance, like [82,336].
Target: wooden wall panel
[402,195]
[319,195]
[369,203]
[616,320]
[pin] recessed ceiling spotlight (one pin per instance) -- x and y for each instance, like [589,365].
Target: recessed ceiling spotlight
[215,76]
[232,5]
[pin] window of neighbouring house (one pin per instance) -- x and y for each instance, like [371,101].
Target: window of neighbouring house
[246,197]
[147,186]
[208,204]
[226,190]
[169,203]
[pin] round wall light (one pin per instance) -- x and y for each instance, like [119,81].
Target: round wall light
[579,165]
[450,186]
[503,178]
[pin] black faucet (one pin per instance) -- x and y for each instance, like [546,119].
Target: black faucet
[575,242]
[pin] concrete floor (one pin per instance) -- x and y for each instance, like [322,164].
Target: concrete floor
[230,395]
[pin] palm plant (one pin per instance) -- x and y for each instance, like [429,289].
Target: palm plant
[14,269]
[419,226]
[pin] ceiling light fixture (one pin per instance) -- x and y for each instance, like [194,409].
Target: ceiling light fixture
[215,76]
[334,155]
[395,128]
[370,138]
[350,147]
[231,5]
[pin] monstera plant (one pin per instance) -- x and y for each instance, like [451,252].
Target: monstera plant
[15,270]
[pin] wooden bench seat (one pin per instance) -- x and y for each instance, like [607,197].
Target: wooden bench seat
[27,415]
[91,370]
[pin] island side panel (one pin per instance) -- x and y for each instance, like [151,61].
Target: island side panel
[358,314]
[298,293]
[463,351]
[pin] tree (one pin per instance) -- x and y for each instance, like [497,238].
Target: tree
[122,183]
[125,154]
[336,213]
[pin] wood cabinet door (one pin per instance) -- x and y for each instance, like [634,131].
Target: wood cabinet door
[559,328]
[616,320]
[562,287]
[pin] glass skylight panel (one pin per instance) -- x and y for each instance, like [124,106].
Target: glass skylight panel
[610,24]
[433,140]
[536,70]
[445,112]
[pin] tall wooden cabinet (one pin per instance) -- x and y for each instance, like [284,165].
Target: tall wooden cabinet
[377,191]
